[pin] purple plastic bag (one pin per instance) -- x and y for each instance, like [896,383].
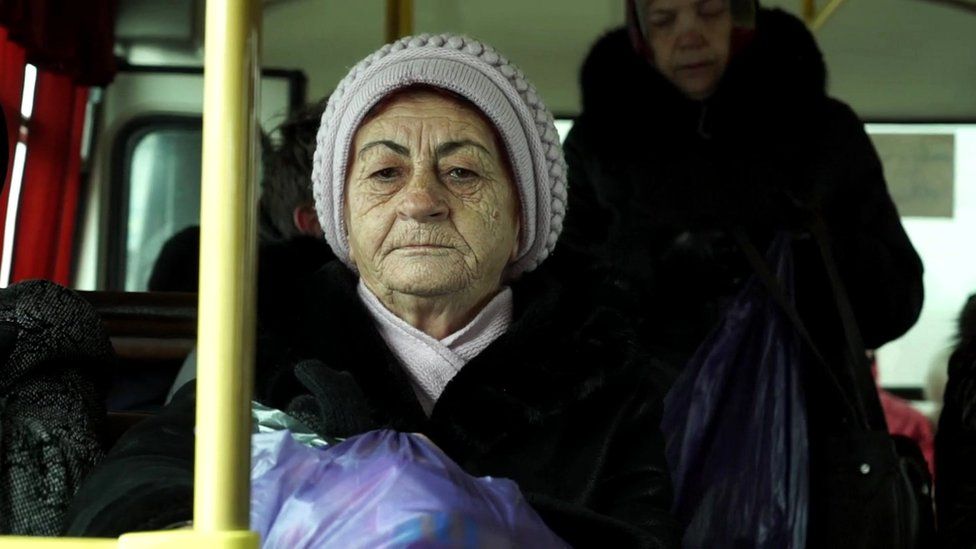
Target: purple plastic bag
[736,429]
[382,489]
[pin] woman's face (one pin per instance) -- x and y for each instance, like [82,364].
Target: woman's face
[430,207]
[690,40]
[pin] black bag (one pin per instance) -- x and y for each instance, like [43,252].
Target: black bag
[868,489]
[52,345]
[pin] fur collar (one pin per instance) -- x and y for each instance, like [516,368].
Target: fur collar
[562,347]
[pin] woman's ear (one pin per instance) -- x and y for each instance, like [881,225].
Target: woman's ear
[306,220]
[346,217]
[518,240]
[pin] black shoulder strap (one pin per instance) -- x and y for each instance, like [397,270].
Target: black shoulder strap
[860,372]
[854,404]
[841,300]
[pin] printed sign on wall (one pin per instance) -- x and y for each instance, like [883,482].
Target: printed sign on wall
[920,172]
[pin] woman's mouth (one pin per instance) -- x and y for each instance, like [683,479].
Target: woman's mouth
[695,67]
[421,249]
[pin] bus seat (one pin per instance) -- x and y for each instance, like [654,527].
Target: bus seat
[152,333]
[117,423]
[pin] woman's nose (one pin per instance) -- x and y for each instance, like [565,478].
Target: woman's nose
[689,32]
[423,201]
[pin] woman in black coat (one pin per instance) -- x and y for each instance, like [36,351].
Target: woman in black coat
[701,117]
[440,185]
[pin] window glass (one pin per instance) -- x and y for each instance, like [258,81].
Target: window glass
[163,196]
[931,173]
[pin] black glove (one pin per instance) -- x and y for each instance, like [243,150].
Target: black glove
[336,406]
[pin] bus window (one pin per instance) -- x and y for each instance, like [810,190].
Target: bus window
[146,160]
[160,193]
[930,170]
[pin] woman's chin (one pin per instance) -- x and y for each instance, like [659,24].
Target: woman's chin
[430,278]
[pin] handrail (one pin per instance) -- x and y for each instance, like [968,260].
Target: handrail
[816,19]
[225,347]
[399,19]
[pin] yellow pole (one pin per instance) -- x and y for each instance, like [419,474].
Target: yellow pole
[809,11]
[399,19]
[225,348]
[57,543]
[824,14]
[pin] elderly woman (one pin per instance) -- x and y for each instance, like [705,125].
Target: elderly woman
[721,123]
[440,184]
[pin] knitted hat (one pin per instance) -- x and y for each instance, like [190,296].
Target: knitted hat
[479,74]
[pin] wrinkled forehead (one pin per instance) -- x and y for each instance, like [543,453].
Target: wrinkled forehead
[743,7]
[409,109]
[743,11]
[645,5]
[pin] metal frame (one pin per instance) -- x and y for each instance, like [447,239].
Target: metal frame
[297,80]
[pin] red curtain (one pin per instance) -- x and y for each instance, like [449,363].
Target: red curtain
[71,37]
[49,194]
[71,43]
[12,62]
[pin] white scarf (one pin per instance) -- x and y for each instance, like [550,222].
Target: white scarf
[430,363]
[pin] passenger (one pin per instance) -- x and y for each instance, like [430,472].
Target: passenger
[286,210]
[290,247]
[955,440]
[177,267]
[906,421]
[705,115]
[440,184]
[291,243]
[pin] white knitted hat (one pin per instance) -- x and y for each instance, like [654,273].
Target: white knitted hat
[478,73]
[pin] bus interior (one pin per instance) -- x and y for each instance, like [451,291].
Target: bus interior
[907,70]
[906,67]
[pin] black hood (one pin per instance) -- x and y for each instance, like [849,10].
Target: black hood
[781,67]
[967,324]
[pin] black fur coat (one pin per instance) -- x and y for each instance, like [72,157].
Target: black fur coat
[956,440]
[657,181]
[564,403]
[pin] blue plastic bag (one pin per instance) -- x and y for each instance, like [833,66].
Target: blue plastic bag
[735,425]
[382,489]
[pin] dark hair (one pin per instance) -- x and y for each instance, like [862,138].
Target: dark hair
[287,179]
[967,322]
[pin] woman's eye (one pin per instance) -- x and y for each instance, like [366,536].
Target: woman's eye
[461,174]
[711,8]
[661,21]
[386,174]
